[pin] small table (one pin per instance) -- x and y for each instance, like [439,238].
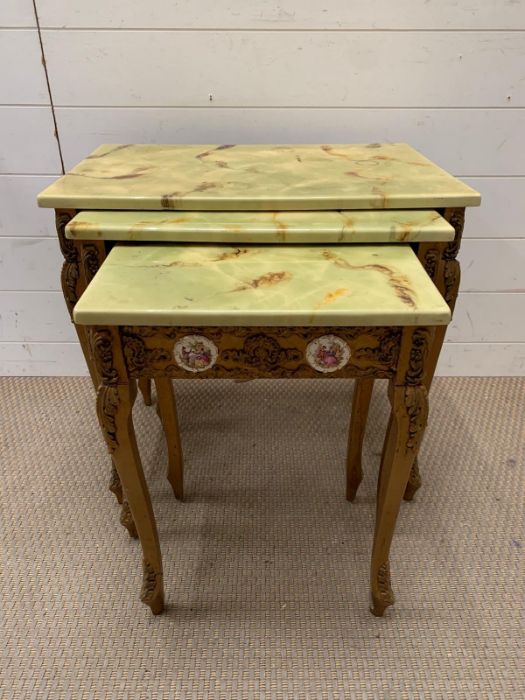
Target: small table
[380,193]
[214,311]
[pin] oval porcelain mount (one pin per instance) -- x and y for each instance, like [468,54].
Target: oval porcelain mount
[195,353]
[328,353]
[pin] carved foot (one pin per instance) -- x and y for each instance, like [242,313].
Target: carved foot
[145,390]
[382,595]
[352,484]
[152,592]
[414,482]
[114,484]
[127,520]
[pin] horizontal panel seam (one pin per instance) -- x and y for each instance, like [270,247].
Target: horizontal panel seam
[282,30]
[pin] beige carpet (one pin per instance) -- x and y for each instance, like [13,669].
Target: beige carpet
[266,564]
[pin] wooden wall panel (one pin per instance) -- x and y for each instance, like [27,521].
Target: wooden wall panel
[284,14]
[286,69]
[450,137]
[28,143]
[22,77]
[17,13]
[19,215]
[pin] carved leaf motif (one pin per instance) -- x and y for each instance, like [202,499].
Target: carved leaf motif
[150,581]
[253,352]
[69,278]
[457,220]
[67,246]
[114,484]
[138,357]
[263,352]
[101,343]
[90,261]
[126,519]
[418,355]
[416,405]
[430,262]
[107,407]
[387,349]
[70,269]
[134,352]
[384,584]
[452,274]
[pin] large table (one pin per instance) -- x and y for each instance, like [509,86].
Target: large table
[245,194]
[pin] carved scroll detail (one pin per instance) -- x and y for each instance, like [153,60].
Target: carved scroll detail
[418,355]
[457,220]
[126,519]
[70,269]
[151,592]
[451,275]
[430,261]
[101,344]
[107,407]
[259,351]
[416,406]
[262,352]
[451,272]
[114,484]
[384,585]
[90,261]
[138,357]
[67,246]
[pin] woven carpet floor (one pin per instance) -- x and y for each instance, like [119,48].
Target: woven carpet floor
[266,564]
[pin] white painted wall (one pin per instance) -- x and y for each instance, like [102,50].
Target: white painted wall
[448,76]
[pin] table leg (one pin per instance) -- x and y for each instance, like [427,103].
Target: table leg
[170,423]
[114,409]
[145,390]
[360,405]
[441,265]
[114,480]
[406,427]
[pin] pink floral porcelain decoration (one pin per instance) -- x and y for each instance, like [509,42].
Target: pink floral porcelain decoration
[195,353]
[328,353]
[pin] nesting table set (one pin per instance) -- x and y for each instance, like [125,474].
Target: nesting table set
[260,262]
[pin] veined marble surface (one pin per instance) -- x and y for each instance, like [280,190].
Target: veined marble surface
[258,178]
[359,226]
[270,286]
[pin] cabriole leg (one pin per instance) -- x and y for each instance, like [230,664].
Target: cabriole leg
[170,424]
[145,390]
[114,409]
[406,427]
[360,406]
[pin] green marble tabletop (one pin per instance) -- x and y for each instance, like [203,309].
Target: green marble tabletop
[359,226]
[257,178]
[206,285]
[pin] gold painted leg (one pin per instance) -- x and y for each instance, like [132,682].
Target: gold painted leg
[168,415]
[84,344]
[409,417]
[360,405]
[114,480]
[413,483]
[126,519]
[114,409]
[414,480]
[114,483]
[145,390]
